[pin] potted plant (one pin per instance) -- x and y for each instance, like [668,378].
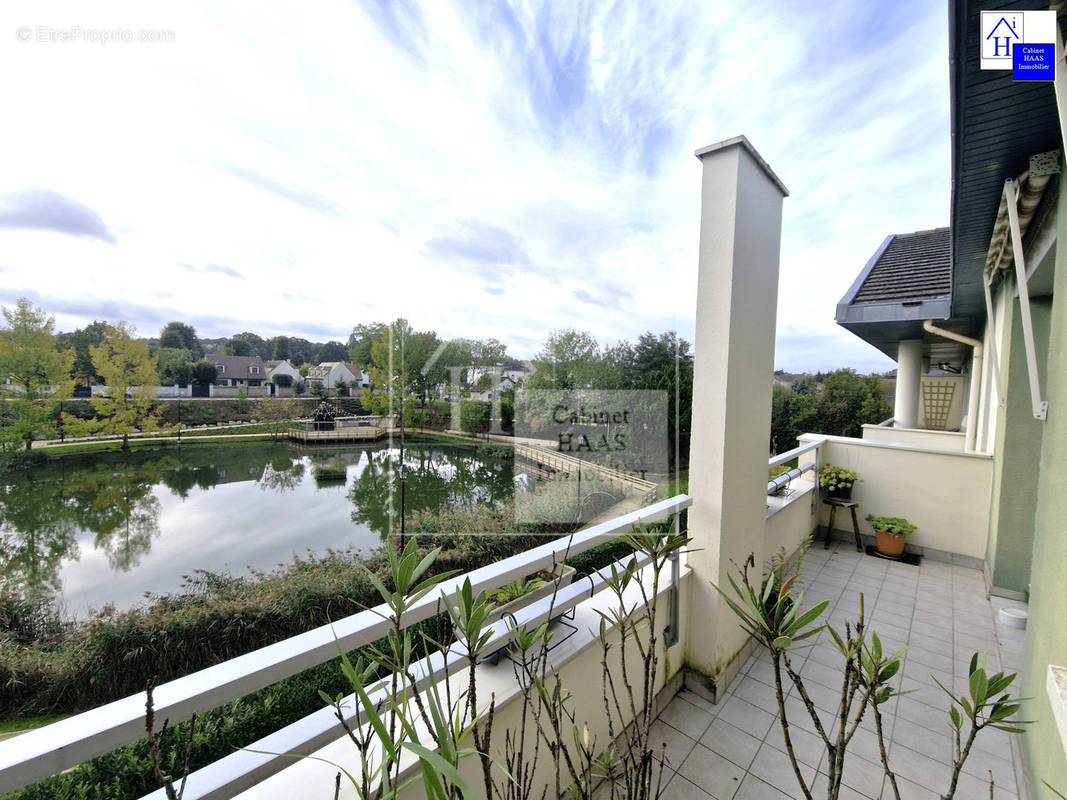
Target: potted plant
[891,533]
[837,481]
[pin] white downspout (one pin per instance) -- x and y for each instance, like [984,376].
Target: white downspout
[976,378]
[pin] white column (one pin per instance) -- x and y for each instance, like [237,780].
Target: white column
[909,375]
[737,296]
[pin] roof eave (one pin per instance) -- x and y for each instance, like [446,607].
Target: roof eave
[896,311]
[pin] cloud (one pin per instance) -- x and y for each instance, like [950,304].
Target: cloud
[309,199]
[44,210]
[482,169]
[481,244]
[217,269]
[607,296]
[402,22]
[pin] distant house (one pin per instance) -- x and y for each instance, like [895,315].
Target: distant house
[328,373]
[507,378]
[282,367]
[239,370]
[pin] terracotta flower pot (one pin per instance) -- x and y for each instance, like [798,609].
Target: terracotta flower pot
[889,544]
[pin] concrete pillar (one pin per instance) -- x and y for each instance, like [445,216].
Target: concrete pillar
[909,376]
[737,296]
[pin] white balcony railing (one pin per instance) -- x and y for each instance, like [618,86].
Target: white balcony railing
[46,751]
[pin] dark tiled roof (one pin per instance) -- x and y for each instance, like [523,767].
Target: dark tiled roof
[240,366]
[915,266]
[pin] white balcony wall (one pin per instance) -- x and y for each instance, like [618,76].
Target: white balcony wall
[790,523]
[944,492]
[578,663]
[943,440]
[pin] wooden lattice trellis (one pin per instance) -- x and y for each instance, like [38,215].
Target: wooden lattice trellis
[937,400]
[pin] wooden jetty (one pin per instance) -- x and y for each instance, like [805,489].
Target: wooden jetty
[561,462]
[346,433]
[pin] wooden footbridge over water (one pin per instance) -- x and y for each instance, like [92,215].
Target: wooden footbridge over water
[555,461]
[363,430]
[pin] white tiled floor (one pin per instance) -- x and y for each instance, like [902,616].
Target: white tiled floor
[734,750]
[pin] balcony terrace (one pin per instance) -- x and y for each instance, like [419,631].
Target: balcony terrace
[733,749]
[712,691]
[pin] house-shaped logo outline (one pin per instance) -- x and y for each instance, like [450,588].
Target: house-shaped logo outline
[1003,20]
[1002,31]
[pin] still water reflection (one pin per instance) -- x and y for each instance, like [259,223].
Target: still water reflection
[109,528]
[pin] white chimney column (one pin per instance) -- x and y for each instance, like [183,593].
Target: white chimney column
[737,299]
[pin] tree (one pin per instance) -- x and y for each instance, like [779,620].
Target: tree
[333,351]
[79,342]
[39,374]
[205,372]
[181,336]
[845,402]
[237,347]
[848,401]
[301,351]
[279,348]
[342,387]
[792,414]
[488,352]
[175,366]
[299,388]
[361,340]
[570,359]
[281,380]
[257,345]
[398,356]
[130,373]
[474,417]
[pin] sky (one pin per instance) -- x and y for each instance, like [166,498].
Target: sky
[480,168]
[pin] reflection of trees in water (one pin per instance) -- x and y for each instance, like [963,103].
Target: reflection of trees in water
[37,532]
[110,494]
[208,467]
[281,475]
[437,478]
[120,508]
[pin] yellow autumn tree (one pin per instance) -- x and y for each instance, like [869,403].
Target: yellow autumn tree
[129,371]
[39,375]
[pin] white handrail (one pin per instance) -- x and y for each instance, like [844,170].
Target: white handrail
[789,455]
[252,764]
[46,751]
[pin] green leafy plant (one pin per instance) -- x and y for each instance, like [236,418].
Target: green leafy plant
[630,631]
[833,478]
[326,473]
[515,590]
[894,526]
[986,705]
[777,620]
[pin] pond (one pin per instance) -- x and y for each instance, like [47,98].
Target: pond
[89,530]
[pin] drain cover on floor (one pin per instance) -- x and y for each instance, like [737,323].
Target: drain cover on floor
[906,558]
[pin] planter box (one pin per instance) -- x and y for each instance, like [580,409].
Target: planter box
[564,575]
